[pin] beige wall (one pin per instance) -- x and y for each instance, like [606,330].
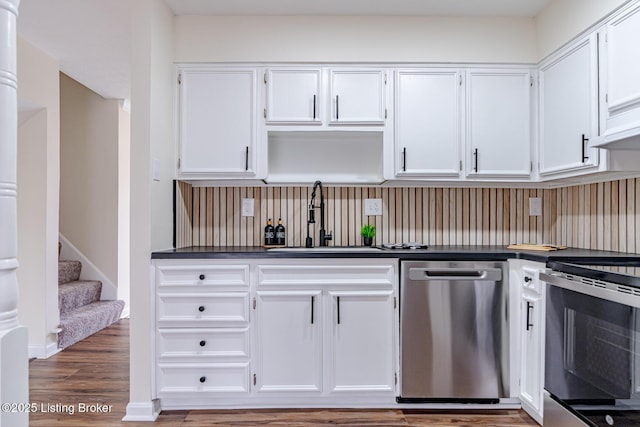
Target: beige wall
[332,38]
[38,187]
[89,174]
[562,20]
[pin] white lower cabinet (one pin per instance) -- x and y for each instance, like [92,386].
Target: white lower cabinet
[360,354]
[327,329]
[202,335]
[289,341]
[280,333]
[531,332]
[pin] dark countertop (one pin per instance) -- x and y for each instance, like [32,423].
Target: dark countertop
[444,252]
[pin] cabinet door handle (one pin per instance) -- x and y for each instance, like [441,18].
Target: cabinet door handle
[202,277]
[313,300]
[338,303]
[584,148]
[203,379]
[314,107]
[404,159]
[201,308]
[337,107]
[203,343]
[529,307]
[527,279]
[475,160]
[246,158]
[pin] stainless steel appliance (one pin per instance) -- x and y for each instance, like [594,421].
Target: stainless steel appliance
[453,331]
[592,345]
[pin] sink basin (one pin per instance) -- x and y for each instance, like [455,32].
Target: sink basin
[327,249]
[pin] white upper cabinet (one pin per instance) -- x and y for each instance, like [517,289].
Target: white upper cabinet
[498,123]
[428,123]
[621,57]
[569,108]
[357,96]
[293,95]
[217,129]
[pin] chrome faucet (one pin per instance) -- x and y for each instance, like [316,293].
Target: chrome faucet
[324,236]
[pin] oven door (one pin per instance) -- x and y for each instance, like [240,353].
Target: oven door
[592,366]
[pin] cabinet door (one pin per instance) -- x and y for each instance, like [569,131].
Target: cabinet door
[498,123]
[217,123]
[360,357]
[293,96]
[289,341]
[623,68]
[568,109]
[428,127]
[357,96]
[532,355]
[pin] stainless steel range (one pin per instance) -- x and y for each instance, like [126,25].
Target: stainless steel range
[592,345]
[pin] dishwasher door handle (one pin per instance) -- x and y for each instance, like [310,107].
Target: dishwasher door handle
[455,274]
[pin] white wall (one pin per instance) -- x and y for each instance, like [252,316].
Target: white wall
[124,206]
[38,184]
[562,20]
[362,38]
[151,201]
[89,138]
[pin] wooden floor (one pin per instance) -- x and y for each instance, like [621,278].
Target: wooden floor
[96,372]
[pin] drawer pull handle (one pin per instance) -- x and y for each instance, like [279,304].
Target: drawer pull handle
[201,308]
[203,379]
[203,343]
[202,277]
[527,279]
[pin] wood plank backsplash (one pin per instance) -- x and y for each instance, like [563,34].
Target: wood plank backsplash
[594,216]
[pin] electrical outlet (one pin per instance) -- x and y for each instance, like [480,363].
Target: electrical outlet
[247,207]
[373,206]
[535,206]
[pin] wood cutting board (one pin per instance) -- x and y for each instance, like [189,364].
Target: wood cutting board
[532,247]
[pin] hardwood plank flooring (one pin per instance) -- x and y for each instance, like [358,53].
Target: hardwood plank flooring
[96,371]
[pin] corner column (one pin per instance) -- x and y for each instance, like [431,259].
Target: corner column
[14,364]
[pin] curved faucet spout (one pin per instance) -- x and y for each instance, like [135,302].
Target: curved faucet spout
[324,237]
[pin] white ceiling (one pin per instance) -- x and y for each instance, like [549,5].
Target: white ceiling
[358,7]
[91,38]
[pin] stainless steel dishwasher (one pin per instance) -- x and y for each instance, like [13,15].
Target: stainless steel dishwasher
[454,337]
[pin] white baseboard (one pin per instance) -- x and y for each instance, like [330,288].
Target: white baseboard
[142,411]
[89,270]
[40,352]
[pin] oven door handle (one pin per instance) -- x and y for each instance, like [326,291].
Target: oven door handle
[607,291]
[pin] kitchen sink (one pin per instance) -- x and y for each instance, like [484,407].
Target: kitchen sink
[327,249]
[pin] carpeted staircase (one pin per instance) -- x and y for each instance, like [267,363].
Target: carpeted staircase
[81,311]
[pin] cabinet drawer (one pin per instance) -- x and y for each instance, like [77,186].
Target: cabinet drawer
[176,379]
[203,276]
[219,309]
[378,275]
[204,343]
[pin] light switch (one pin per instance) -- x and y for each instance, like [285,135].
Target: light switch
[155,170]
[247,207]
[535,206]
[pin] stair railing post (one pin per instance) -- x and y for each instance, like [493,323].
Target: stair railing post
[14,368]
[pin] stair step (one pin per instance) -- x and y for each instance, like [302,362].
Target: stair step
[82,322]
[73,295]
[68,271]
